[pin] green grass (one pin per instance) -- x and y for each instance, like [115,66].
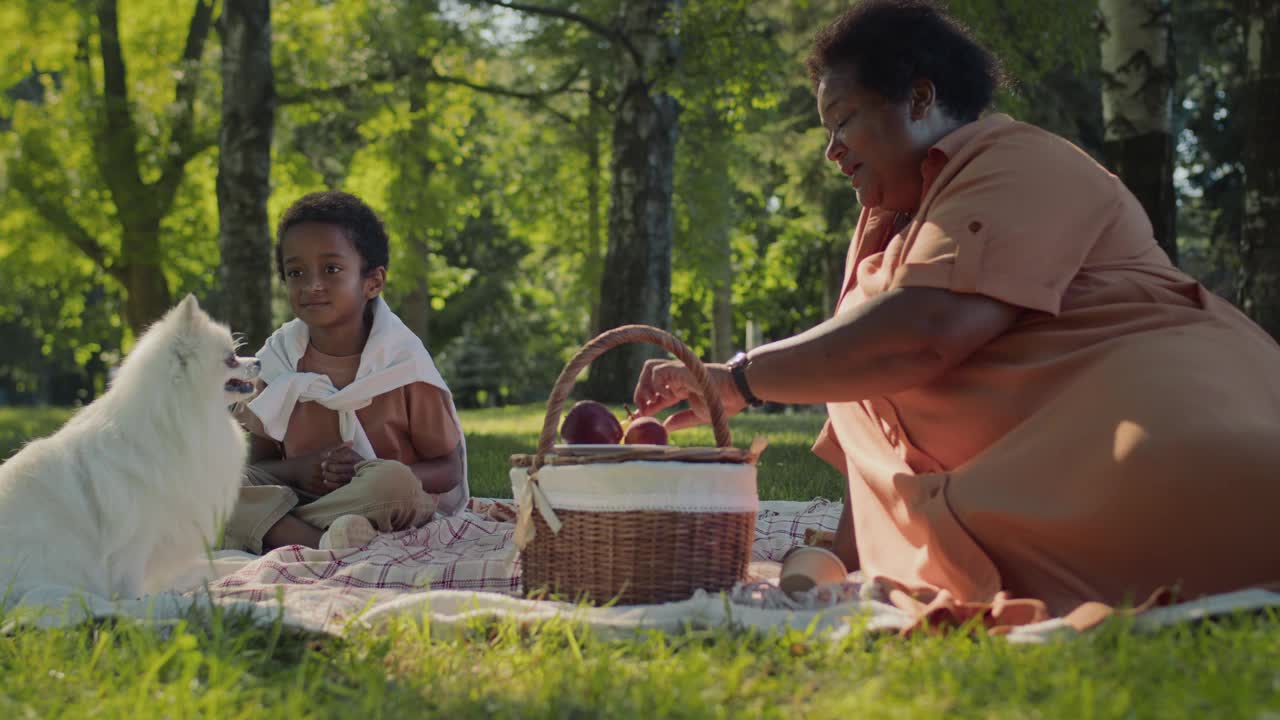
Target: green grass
[218,666]
[787,470]
[20,424]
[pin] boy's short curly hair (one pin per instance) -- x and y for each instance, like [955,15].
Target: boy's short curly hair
[358,221]
[891,43]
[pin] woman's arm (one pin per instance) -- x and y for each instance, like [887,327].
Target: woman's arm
[442,474]
[899,340]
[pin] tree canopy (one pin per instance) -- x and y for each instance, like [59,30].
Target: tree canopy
[500,141]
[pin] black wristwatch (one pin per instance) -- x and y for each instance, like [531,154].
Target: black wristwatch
[738,369]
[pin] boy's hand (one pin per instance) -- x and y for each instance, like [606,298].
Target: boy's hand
[323,472]
[338,465]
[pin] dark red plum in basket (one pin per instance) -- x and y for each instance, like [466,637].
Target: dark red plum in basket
[590,423]
[646,431]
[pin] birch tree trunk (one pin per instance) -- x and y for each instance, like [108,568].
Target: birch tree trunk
[1137,106]
[636,287]
[244,168]
[1260,285]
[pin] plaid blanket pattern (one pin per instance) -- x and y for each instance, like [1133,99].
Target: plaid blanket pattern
[469,551]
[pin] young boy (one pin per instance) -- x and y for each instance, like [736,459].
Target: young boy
[353,430]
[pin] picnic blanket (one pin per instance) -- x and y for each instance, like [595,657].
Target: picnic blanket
[458,560]
[462,567]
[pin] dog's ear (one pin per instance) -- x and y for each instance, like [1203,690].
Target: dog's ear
[186,311]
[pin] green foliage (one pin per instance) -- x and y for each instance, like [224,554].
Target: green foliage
[496,202]
[731,78]
[1210,144]
[57,319]
[1031,38]
[472,186]
[62,306]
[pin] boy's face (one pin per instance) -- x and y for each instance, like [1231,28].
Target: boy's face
[323,273]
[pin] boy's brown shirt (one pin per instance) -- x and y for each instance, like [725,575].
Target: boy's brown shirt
[408,424]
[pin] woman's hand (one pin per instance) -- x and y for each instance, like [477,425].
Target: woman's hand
[664,383]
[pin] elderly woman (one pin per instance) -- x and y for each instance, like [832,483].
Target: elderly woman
[1027,398]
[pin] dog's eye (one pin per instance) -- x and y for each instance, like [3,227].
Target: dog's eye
[231,360]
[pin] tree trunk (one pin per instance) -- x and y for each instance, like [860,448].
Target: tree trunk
[412,179]
[592,261]
[1137,106]
[715,223]
[244,169]
[636,285]
[722,330]
[1260,286]
[415,308]
[147,292]
[116,152]
[140,206]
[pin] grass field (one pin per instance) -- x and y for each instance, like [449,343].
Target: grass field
[218,667]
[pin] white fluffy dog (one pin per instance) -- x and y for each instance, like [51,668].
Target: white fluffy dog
[136,485]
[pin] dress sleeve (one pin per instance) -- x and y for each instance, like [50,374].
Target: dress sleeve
[828,447]
[431,425]
[1015,223]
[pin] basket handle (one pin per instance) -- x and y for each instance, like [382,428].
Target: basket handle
[620,336]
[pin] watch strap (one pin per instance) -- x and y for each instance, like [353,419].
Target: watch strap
[738,370]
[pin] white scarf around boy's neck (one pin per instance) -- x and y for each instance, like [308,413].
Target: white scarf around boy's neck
[392,357]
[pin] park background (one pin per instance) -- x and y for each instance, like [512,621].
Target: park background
[550,169]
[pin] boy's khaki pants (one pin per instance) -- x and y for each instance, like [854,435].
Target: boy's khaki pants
[384,491]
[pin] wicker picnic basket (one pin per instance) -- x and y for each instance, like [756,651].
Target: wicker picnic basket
[637,525]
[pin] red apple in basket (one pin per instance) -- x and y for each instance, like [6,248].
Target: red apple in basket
[646,431]
[590,423]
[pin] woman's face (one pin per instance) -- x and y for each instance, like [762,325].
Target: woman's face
[878,144]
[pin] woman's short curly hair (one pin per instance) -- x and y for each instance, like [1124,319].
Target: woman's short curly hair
[358,222]
[891,43]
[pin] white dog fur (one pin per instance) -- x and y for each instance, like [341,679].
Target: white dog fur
[134,487]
